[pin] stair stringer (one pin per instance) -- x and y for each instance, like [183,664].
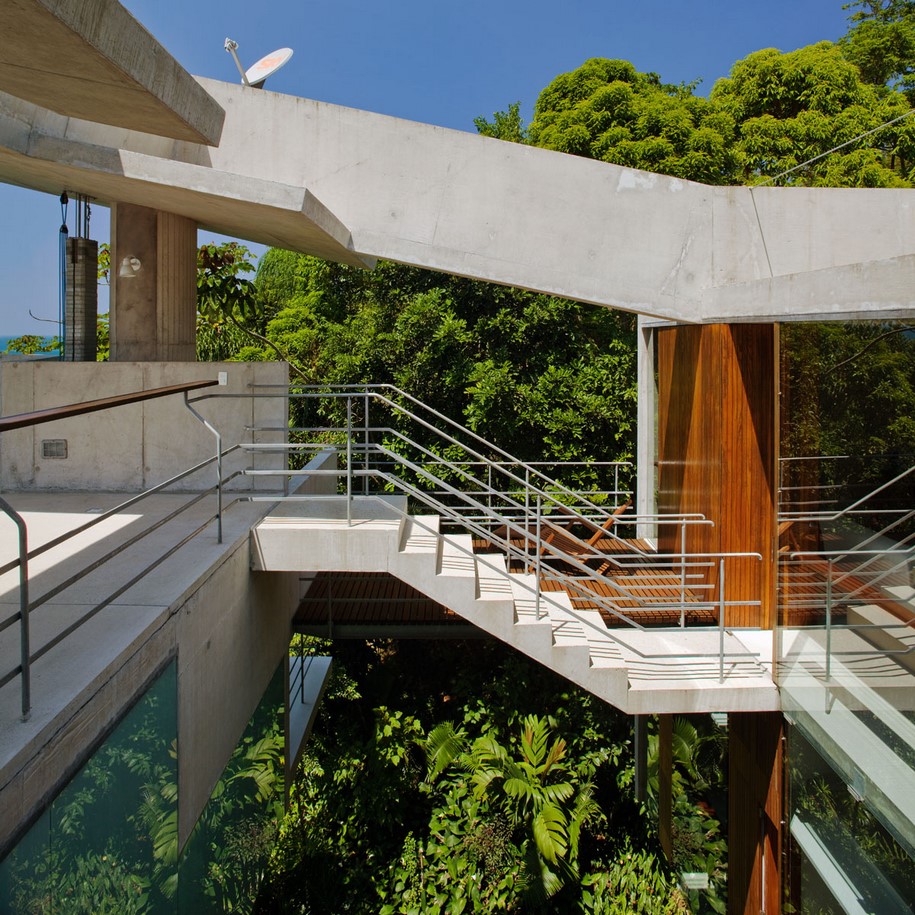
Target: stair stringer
[617,668]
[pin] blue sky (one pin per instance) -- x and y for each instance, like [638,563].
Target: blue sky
[440,63]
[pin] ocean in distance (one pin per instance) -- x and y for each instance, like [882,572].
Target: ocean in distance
[5,342]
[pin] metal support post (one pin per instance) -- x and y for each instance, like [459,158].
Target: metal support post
[539,559]
[527,515]
[215,432]
[349,461]
[721,608]
[24,648]
[682,574]
[365,482]
[829,563]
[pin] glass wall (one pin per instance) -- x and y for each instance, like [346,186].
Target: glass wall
[108,843]
[846,639]
[98,846]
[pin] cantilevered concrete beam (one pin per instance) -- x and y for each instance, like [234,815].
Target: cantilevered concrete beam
[91,59]
[477,207]
[48,153]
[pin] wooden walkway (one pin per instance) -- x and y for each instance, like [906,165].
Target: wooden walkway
[368,598]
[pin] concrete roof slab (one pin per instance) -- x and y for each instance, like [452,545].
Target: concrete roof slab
[259,210]
[93,60]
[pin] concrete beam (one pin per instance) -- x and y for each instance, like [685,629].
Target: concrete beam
[93,60]
[48,153]
[482,208]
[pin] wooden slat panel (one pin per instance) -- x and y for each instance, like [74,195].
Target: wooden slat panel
[755,804]
[717,452]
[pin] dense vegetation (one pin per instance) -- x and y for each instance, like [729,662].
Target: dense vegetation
[462,777]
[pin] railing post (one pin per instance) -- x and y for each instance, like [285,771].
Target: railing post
[24,647]
[365,484]
[527,515]
[721,608]
[829,563]
[349,461]
[216,433]
[489,487]
[682,573]
[539,559]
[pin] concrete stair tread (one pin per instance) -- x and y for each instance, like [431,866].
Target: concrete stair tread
[456,558]
[421,534]
[492,577]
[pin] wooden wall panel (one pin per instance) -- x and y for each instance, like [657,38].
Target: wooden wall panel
[755,798]
[717,452]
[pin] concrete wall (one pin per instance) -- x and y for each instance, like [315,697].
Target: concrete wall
[480,207]
[232,634]
[229,628]
[134,447]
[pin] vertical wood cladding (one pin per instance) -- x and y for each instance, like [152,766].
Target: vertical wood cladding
[717,452]
[755,797]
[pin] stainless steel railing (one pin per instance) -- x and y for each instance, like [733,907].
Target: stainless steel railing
[537,521]
[29,604]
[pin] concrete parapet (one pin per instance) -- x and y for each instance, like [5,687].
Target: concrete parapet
[134,447]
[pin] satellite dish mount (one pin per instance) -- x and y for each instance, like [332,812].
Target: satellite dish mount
[256,76]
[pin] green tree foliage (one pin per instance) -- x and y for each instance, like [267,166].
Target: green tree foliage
[532,799]
[775,111]
[881,41]
[519,806]
[790,108]
[607,110]
[543,378]
[505,125]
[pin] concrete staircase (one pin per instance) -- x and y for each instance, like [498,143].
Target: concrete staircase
[638,671]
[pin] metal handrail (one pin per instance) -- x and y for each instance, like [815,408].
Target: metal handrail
[28,605]
[515,530]
[518,511]
[535,590]
[850,509]
[349,390]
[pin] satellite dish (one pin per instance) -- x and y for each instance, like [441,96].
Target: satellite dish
[256,76]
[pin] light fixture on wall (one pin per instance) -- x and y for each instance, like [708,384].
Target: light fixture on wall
[130,267]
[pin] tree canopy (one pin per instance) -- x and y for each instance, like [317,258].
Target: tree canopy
[607,110]
[790,108]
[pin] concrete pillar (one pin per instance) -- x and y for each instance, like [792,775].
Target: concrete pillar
[82,300]
[153,285]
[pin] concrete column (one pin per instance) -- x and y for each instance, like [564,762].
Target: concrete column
[153,285]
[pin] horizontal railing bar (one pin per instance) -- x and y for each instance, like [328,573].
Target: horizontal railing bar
[104,516]
[36,417]
[125,587]
[33,605]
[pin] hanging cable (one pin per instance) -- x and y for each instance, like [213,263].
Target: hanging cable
[829,152]
[62,281]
